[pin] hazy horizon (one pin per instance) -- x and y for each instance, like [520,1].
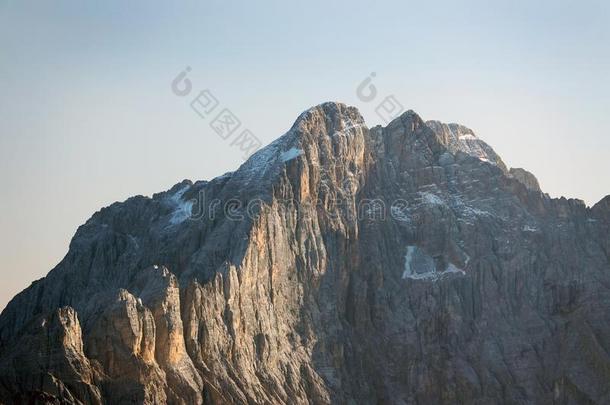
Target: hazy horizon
[88,116]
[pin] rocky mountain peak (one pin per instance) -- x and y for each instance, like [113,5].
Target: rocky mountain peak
[339,264]
[458,138]
[602,209]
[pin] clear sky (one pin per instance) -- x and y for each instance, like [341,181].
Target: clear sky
[87,115]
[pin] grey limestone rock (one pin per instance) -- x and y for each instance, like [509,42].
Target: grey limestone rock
[339,264]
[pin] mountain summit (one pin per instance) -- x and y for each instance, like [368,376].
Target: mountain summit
[340,264]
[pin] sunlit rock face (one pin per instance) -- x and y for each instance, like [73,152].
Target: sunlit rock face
[340,264]
[526,178]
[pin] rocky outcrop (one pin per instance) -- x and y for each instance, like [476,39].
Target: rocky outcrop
[47,363]
[457,138]
[526,178]
[340,264]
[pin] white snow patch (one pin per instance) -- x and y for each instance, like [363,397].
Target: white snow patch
[467,136]
[262,158]
[468,211]
[451,268]
[407,273]
[528,228]
[290,154]
[431,199]
[182,210]
[257,164]
[399,214]
[418,265]
[423,267]
[471,211]
[347,126]
[177,196]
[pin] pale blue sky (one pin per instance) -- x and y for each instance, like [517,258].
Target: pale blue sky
[87,116]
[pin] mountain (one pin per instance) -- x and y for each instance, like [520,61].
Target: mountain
[340,264]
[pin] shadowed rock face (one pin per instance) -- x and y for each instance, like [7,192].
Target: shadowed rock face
[340,264]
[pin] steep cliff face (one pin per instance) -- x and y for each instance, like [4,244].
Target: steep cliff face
[339,264]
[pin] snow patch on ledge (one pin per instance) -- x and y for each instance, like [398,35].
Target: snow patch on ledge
[290,154]
[400,214]
[430,198]
[182,209]
[452,268]
[420,266]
